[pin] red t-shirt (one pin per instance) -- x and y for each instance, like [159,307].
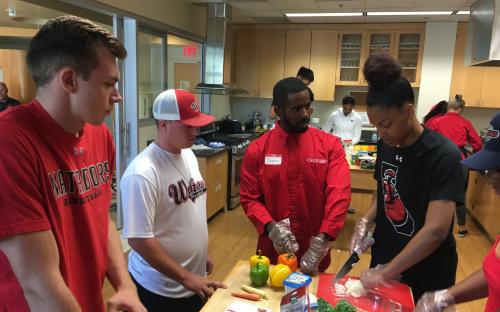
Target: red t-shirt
[303,177]
[491,270]
[458,129]
[52,180]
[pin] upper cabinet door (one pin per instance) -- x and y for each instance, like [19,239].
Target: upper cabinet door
[380,42]
[351,55]
[297,51]
[247,48]
[465,80]
[490,97]
[324,63]
[272,60]
[409,51]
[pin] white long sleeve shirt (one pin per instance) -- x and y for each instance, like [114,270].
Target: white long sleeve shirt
[345,127]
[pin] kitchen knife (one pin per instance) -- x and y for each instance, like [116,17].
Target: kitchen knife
[348,265]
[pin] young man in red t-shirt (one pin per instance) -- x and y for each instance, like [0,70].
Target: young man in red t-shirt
[57,243]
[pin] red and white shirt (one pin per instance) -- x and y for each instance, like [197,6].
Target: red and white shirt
[491,270]
[55,181]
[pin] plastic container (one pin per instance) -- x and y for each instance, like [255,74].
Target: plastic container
[296,280]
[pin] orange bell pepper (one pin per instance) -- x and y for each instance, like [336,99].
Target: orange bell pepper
[289,260]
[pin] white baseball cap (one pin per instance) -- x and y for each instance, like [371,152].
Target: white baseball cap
[180,105]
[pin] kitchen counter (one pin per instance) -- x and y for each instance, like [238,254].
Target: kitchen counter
[362,179]
[205,153]
[483,205]
[240,275]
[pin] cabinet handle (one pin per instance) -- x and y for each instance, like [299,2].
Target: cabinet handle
[218,186]
[218,161]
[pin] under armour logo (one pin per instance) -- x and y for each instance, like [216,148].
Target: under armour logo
[78,151]
[399,158]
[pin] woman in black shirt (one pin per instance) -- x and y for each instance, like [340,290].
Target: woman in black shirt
[419,178]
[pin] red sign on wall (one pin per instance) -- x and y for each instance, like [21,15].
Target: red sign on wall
[190,51]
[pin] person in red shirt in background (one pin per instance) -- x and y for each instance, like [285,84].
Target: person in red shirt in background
[295,183]
[436,111]
[486,281]
[461,132]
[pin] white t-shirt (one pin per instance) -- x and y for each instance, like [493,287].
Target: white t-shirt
[164,196]
[345,127]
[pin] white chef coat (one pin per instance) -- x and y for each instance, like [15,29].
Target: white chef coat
[346,127]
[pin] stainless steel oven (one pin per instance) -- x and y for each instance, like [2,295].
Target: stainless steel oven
[238,142]
[234,181]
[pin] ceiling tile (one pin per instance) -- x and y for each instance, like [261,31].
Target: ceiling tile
[425,5]
[242,20]
[289,5]
[375,4]
[250,6]
[344,5]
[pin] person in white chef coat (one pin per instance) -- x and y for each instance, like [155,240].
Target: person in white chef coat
[344,122]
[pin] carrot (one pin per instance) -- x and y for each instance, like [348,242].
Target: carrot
[244,295]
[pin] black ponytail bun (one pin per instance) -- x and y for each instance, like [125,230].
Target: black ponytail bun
[381,69]
[387,87]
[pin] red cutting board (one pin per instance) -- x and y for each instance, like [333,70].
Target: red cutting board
[400,293]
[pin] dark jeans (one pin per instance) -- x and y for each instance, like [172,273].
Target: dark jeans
[461,209]
[157,303]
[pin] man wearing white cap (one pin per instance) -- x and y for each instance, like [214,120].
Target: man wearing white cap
[164,211]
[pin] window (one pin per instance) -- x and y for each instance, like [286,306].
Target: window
[151,71]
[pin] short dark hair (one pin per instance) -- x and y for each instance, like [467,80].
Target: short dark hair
[283,88]
[306,73]
[387,88]
[349,100]
[311,94]
[69,41]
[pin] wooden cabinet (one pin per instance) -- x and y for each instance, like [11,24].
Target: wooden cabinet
[351,54]
[381,41]
[214,171]
[297,51]
[490,97]
[264,54]
[324,63]
[465,80]
[272,60]
[477,85]
[246,61]
[483,203]
[409,51]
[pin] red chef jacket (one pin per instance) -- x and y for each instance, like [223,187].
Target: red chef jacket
[458,129]
[304,177]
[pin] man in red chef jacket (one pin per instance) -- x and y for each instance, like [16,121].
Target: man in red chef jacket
[295,183]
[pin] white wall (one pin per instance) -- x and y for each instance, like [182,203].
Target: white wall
[176,13]
[437,65]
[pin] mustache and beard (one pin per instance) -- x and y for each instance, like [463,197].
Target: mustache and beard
[299,127]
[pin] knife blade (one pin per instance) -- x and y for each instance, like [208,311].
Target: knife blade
[348,265]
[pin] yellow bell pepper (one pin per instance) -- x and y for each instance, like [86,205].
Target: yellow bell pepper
[278,274]
[259,258]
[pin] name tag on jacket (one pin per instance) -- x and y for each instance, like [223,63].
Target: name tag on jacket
[272,160]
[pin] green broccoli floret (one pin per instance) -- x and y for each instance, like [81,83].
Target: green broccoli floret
[341,306]
[324,306]
[344,306]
